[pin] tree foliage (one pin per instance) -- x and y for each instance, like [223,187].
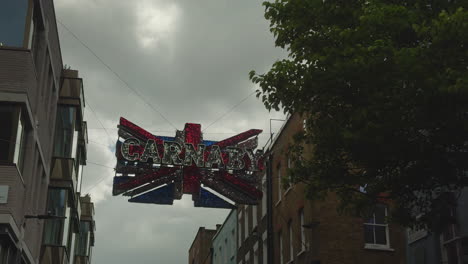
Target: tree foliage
[383,86]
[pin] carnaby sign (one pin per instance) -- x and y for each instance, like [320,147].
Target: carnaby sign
[159,169]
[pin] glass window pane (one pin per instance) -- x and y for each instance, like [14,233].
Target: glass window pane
[369,234]
[57,202]
[6,122]
[380,214]
[64,132]
[74,144]
[465,251]
[52,230]
[280,238]
[452,253]
[380,235]
[18,156]
[13,22]
[83,239]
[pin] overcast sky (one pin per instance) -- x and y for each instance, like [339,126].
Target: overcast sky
[190,60]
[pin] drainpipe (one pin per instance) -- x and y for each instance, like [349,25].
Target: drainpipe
[269,212]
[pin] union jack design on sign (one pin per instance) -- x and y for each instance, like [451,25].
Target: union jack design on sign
[159,169]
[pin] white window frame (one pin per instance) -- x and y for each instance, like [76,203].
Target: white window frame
[303,234]
[264,198]
[233,249]
[280,239]
[256,256]
[246,223]
[291,241]
[387,235]
[279,186]
[265,248]
[239,228]
[254,216]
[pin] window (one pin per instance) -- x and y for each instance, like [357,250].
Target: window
[264,198]
[226,253]
[290,183]
[454,248]
[246,223]
[56,231]
[83,239]
[239,229]
[301,226]
[233,249]
[291,241]
[279,185]
[15,23]
[254,216]
[280,240]
[65,136]
[12,135]
[80,178]
[376,228]
[256,256]
[7,253]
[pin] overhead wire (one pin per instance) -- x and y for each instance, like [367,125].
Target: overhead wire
[138,94]
[229,111]
[99,121]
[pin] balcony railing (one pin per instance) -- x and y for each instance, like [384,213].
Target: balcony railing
[71,92]
[63,173]
[54,255]
[87,211]
[81,260]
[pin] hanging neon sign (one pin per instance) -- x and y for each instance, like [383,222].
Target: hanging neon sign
[159,169]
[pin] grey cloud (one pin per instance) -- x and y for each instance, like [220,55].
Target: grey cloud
[193,73]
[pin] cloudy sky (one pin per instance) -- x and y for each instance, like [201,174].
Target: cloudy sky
[189,60]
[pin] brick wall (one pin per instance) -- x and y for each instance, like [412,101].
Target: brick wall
[330,237]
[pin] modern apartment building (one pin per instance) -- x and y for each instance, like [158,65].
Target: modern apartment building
[85,238]
[42,138]
[224,242]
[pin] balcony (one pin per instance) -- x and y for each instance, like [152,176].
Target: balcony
[87,210]
[83,142]
[63,173]
[81,260]
[71,92]
[54,255]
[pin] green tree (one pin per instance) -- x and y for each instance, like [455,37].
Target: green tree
[383,87]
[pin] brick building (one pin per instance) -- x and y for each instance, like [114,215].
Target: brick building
[285,227]
[313,232]
[42,141]
[200,251]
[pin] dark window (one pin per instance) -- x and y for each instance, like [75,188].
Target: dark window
[12,135]
[7,253]
[15,23]
[465,250]
[82,240]
[65,136]
[376,227]
[55,230]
